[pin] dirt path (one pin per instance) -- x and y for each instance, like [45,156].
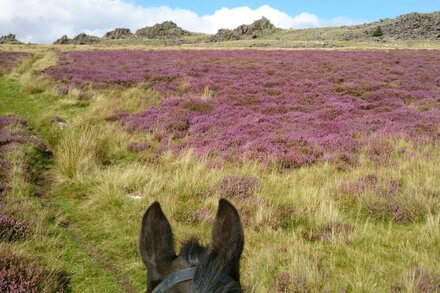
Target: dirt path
[15,101]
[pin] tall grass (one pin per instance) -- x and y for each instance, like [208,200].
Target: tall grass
[371,226]
[304,230]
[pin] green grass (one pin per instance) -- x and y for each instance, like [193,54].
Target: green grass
[313,229]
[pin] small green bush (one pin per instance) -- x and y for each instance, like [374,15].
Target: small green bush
[378,32]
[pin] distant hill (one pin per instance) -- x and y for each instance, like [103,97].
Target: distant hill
[408,27]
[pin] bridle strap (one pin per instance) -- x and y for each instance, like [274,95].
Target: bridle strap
[174,279]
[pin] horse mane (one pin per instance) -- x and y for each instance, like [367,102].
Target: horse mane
[193,252]
[209,276]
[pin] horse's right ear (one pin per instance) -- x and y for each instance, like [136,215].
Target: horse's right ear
[228,237]
[156,242]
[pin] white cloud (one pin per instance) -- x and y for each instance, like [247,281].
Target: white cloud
[45,20]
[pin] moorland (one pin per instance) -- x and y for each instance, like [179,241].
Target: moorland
[331,157]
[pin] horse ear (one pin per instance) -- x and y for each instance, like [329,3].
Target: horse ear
[228,235]
[156,242]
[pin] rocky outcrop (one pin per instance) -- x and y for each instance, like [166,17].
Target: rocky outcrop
[9,39]
[81,39]
[412,26]
[119,33]
[257,29]
[225,35]
[84,39]
[167,29]
[415,26]
[64,40]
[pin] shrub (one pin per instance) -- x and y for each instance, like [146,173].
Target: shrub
[18,275]
[378,32]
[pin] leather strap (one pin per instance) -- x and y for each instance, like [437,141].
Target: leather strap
[174,279]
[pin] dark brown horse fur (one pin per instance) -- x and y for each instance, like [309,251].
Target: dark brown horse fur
[212,264]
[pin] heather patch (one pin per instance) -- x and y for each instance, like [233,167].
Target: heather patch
[100,185]
[292,108]
[238,186]
[7,120]
[402,209]
[12,133]
[418,280]
[8,139]
[284,218]
[328,232]
[385,199]
[12,230]
[200,215]
[21,275]
[9,59]
[292,283]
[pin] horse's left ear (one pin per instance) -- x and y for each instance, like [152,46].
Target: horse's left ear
[228,237]
[156,242]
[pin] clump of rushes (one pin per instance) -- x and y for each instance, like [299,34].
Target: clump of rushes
[12,229]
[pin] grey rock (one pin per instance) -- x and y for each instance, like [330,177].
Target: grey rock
[167,29]
[64,40]
[412,26]
[255,30]
[9,39]
[119,33]
[81,39]
[84,39]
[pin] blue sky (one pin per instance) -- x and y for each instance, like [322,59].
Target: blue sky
[355,9]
